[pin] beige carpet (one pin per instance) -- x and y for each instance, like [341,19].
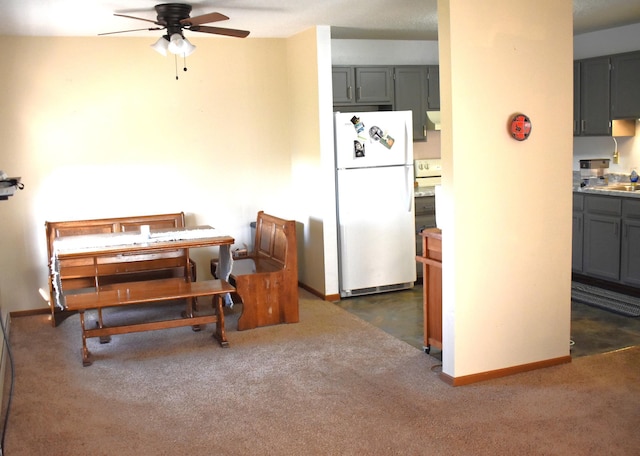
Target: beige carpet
[329,385]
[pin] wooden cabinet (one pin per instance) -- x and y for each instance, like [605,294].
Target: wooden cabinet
[431,260]
[625,85]
[578,233]
[594,104]
[411,93]
[367,85]
[433,75]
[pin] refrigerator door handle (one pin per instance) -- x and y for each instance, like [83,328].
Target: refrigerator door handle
[409,185]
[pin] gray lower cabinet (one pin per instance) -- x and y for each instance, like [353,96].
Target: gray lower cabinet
[630,247]
[425,218]
[606,238]
[602,246]
[578,233]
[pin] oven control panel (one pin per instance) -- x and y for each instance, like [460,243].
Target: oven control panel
[427,172]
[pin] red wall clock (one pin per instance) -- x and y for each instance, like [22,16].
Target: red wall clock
[520,127]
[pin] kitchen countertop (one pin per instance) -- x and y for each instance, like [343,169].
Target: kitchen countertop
[604,190]
[424,191]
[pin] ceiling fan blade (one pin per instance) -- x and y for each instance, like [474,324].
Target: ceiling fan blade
[204,19]
[134,30]
[220,31]
[133,17]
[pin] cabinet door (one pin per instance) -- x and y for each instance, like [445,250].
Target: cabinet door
[578,233]
[374,85]
[630,257]
[410,89]
[577,241]
[342,78]
[625,86]
[433,103]
[602,246]
[576,98]
[594,97]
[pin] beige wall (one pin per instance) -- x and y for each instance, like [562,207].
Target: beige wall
[99,127]
[507,242]
[310,95]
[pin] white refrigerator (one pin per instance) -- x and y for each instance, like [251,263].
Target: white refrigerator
[374,180]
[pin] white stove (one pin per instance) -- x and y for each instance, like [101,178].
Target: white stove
[428,172]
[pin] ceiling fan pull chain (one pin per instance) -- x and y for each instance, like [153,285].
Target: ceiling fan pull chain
[184,56]
[175,59]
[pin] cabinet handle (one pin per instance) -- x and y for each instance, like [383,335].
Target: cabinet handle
[582,125]
[424,130]
[349,93]
[359,93]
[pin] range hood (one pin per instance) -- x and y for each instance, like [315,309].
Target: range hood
[433,120]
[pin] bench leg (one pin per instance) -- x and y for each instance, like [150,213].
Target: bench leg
[188,313]
[220,333]
[86,355]
[100,324]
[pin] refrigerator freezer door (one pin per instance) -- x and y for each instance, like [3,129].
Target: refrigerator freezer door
[367,139]
[376,229]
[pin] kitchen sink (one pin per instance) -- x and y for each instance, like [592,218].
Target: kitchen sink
[631,187]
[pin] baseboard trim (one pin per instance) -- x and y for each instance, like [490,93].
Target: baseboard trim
[322,296]
[28,313]
[498,373]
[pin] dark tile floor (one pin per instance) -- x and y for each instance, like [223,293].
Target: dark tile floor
[399,313]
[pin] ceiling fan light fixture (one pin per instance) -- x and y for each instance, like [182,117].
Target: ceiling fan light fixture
[180,45]
[188,48]
[161,46]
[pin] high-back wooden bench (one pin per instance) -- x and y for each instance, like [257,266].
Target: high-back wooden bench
[267,280]
[80,273]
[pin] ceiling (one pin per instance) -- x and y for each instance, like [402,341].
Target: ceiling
[370,19]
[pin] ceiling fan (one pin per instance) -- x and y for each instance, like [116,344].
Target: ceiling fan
[174,17]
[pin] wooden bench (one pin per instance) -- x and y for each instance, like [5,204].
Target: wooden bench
[126,294]
[83,273]
[267,280]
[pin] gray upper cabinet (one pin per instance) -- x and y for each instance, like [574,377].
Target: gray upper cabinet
[433,75]
[576,99]
[367,85]
[343,85]
[374,85]
[594,97]
[411,92]
[625,85]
